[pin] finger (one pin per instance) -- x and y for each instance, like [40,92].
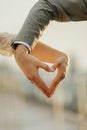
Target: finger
[45,67]
[55,83]
[62,70]
[56,64]
[60,75]
[41,85]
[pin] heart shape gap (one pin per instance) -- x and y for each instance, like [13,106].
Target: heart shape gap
[47,77]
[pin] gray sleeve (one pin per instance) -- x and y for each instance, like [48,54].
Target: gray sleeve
[46,10]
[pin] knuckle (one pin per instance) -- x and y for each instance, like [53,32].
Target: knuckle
[29,78]
[62,76]
[49,95]
[66,59]
[46,67]
[63,60]
[32,77]
[57,82]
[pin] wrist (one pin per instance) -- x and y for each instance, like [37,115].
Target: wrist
[20,50]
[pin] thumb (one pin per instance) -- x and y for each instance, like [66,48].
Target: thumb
[54,67]
[45,67]
[56,64]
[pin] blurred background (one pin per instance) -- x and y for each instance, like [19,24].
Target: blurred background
[22,105]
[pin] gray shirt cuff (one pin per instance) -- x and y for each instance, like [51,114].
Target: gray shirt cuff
[14,45]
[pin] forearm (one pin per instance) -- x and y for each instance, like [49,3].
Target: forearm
[46,53]
[36,21]
[46,10]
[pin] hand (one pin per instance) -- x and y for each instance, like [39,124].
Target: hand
[30,65]
[61,64]
[57,58]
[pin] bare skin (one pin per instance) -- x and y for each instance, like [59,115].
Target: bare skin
[30,64]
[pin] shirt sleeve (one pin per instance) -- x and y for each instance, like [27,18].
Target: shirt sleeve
[46,10]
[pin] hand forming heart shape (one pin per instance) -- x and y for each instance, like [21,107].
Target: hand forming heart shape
[30,65]
[46,76]
[60,66]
